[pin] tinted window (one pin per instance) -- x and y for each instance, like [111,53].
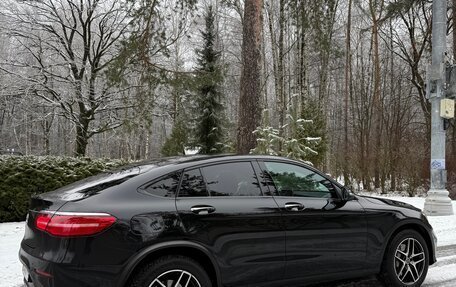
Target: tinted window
[165,186]
[293,180]
[96,184]
[231,179]
[192,184]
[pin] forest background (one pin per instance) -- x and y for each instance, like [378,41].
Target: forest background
[339,83]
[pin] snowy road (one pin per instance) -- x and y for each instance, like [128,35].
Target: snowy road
[441,274]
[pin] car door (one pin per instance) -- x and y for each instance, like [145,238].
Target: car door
[222,206]
[324,234]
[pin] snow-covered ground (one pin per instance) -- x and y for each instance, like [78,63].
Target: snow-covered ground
[441,274]
[10,268]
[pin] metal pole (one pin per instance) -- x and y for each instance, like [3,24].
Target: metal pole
[437,202]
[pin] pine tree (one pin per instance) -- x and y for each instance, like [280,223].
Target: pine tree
[176,143]
[179,139]
[208,128]
[298,144]
[250,94]
[312,111]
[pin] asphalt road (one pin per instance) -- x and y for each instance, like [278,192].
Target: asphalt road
[440,274]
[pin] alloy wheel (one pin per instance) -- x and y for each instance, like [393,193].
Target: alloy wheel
[175,278]
[409,261]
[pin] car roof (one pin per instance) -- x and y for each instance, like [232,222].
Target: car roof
[187,161]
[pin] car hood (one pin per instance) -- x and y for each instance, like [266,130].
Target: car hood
[388,202]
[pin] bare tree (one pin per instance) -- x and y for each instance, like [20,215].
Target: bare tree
[412,37]
[347,88]
[376,8]
[70,45]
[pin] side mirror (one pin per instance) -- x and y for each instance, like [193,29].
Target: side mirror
[346,194]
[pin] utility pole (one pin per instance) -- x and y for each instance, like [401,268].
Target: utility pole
[437,202]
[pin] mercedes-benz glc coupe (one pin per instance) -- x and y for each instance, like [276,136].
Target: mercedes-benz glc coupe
[220,221]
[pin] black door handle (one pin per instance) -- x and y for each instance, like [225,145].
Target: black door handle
[294,206]
[202,209]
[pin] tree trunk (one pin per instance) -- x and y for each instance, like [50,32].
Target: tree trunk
[47,133]
[347,93]
[275,61]
[250,91]
[82,131]
[377,108]
[81,141]
[302,73]
[281,96]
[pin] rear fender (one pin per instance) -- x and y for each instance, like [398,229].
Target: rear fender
[139,257]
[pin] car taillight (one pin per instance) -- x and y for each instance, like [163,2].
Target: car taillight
[72,224]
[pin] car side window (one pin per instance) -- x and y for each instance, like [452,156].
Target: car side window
[232,179]
[193,184]
[294,180]
[165,186]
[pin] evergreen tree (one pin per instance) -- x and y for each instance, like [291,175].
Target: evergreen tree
[208,127]
[176,143]
[179,139]
[310,110]
[298,144]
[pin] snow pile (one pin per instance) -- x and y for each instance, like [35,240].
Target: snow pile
[441,276]
[10,268]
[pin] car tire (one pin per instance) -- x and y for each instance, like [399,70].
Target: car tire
[171,270]
[406,260]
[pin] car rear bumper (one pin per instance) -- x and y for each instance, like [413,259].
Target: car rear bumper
[41,273]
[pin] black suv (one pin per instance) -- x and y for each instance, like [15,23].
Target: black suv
[220,221]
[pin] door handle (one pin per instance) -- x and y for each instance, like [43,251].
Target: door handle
[202,209]
[294,206]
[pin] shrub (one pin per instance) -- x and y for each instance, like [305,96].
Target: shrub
[22,176]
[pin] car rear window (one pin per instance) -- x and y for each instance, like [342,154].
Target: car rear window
[165,186]
[95,184]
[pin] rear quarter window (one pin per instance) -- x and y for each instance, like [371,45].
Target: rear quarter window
[165,186]
[193,184]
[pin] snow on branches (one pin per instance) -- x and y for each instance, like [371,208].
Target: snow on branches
[285,141]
